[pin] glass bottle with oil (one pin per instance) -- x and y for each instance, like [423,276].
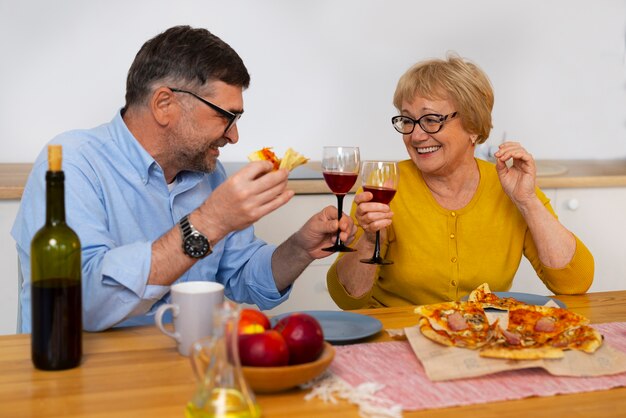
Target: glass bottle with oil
[222,389]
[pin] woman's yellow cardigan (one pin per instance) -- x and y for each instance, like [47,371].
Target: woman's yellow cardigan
[441,255]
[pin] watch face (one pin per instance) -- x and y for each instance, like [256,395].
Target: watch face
[196,246]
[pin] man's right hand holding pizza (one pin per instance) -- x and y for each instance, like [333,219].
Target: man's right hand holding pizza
[248,195]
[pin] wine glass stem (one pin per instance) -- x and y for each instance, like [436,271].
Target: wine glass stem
[340,209]
[377,245]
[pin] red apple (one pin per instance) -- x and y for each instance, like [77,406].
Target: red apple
[264,349]
[252,321]
[303,335]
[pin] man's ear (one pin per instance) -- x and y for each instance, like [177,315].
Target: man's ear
[163,106]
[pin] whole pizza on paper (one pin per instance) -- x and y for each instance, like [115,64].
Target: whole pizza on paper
[528,332]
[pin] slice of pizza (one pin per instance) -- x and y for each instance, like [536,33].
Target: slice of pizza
[292,159]
[483,295]
[265,154]
[536,332]
[457,324]
[510,345]
[582,338]
[538,324]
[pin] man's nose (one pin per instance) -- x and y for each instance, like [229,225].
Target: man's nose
[232,135]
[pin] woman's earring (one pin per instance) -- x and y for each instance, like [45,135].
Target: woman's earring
[473,139]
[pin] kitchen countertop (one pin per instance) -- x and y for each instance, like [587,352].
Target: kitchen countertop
[308,179]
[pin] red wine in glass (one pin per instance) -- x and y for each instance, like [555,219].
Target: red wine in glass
[381,194]
[340,183]
[340,167]
[380,178]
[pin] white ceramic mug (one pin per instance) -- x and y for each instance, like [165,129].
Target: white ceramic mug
[192,308]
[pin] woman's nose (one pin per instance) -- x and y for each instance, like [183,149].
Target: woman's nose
[418,134]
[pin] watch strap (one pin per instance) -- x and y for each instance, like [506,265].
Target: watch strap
[188,231]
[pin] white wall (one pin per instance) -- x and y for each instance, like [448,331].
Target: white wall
[324,71]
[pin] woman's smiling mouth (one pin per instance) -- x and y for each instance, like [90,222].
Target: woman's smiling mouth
[428,150]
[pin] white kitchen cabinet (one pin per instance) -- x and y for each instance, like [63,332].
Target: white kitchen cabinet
[8,261]
[598,217]
[309,291]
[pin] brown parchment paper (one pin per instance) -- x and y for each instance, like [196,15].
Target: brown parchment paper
[447,363]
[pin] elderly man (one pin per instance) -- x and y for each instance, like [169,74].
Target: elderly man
[137,187]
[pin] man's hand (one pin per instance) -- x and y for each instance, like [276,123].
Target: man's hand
[241,200]
[294,255]
[320,231]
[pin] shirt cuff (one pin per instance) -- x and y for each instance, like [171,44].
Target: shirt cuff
[261,282]
[129,266]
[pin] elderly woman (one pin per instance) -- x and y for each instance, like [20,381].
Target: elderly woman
[455,221]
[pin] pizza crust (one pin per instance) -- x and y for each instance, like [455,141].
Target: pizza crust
[429,332]
[526,353]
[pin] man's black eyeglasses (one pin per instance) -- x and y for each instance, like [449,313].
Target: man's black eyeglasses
[230,116]
[431,123]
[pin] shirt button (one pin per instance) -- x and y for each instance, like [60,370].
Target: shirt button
[451,236]
[453,283]
[453,259]
[453,214]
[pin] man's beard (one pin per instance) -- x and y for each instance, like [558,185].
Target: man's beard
[195,155]
[199,159]
[202,166]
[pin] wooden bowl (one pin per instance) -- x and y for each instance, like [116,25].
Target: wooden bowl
[276,379]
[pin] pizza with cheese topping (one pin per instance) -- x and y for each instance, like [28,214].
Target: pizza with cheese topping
[458,324]
[483,295]
[532,332]
[291,160]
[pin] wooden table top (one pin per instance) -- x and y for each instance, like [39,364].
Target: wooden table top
[137,372]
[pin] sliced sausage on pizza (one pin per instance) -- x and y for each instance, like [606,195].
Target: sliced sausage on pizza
[458,324]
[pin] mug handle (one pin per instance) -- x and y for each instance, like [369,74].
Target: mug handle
[158,319]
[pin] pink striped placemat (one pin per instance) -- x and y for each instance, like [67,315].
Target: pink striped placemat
[394,365]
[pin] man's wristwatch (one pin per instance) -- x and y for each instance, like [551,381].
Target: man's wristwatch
[195,245]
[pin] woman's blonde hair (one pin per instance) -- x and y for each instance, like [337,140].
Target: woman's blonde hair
[454,79]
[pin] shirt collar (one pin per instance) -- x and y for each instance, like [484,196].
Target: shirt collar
[138,157]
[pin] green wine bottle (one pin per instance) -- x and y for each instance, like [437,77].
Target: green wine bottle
[56,341]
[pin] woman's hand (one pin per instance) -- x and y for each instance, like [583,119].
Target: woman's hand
[372,216]
[555,244]
[518,180]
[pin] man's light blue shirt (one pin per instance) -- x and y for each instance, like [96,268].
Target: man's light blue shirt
[118,202]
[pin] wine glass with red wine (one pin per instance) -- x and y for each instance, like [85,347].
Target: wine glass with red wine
[380,178]
[340,166]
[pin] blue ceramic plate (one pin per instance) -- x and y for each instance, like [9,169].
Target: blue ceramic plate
[341,326]
[528,298]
